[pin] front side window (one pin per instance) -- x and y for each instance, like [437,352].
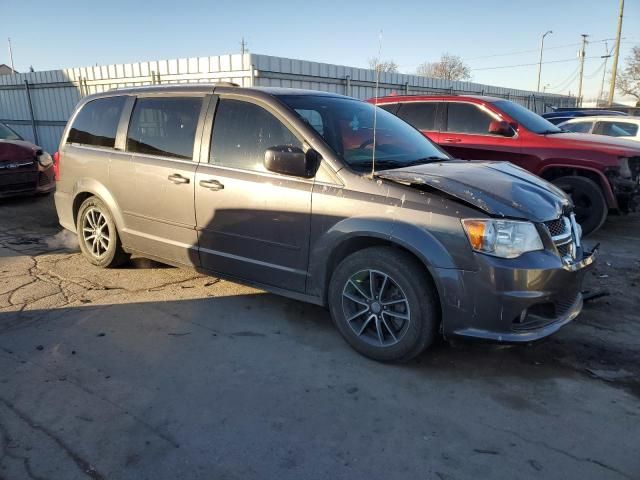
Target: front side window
[243,131]
[348,129]
[164,126]
[468,118]
[578,127]
[420,115]
[97,123]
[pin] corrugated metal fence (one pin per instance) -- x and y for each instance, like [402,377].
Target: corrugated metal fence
[38,104]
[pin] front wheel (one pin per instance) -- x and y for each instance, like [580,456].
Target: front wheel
[590,206]
[383,303]
[97,235]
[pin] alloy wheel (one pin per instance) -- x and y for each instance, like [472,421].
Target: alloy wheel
[95,232]
[375,308]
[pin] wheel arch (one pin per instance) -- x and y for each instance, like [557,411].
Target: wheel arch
[420,245]
[86,188]
[557,170]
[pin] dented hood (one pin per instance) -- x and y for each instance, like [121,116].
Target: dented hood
[498,188]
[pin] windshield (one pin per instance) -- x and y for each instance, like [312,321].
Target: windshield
[525,117]
[7,134]
[347,127]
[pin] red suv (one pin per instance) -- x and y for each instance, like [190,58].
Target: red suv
[599,173]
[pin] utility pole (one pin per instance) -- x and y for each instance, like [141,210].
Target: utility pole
[540,61]
[11,54]
[580,76]
[243,46]
[604,72]
[614,69]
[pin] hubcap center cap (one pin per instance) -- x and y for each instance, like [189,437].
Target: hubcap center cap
[376,308]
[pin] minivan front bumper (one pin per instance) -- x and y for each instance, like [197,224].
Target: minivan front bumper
[512,300]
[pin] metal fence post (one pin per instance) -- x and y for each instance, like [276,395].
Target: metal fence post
[348,86]
[33,118]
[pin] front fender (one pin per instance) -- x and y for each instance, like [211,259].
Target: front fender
[612,202]
[328,249]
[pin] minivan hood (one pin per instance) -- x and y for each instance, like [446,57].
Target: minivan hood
[499,188]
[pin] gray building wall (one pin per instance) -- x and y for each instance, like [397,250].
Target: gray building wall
[51,95]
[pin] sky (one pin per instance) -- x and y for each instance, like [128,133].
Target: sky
[49,34]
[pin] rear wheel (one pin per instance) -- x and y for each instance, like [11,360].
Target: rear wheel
[590,206]
[383,303]
[97,235]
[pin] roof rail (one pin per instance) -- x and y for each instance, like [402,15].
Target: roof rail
[226,84]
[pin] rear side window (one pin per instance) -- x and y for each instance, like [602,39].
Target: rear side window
[616,129]
[421,115]
[581,127]
[97,123]
[243,131]
[164,126]
[467,118]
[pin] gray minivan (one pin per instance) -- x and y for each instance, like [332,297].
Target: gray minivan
[325,199]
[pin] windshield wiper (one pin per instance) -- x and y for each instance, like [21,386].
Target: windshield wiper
[420,161]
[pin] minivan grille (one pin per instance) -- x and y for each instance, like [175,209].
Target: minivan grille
[564,238]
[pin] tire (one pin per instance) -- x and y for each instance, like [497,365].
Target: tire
[590,205]
[105,249]
[388,336]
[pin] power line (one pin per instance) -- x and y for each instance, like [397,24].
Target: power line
[534,50]
[529,64]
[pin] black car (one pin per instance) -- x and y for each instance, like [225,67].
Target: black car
[559,116]
[24,167]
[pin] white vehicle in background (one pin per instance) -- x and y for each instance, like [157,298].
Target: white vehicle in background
[626,127]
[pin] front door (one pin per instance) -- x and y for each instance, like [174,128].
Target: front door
[159,177]
[252,224]
[466,135]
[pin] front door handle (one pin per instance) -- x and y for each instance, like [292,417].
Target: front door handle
[177,178]
[211,184]
[452,140]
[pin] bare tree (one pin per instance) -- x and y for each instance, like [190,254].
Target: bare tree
[628,81]
[449,67]
[388,66]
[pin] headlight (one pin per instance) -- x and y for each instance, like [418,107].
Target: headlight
[625,171]
[502,238]
[45,160]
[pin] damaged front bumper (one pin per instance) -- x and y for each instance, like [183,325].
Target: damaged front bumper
[512,301]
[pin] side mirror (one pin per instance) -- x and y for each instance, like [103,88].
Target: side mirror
[500,127]
[290,160]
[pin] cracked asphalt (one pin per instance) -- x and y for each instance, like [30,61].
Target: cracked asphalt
[154,372]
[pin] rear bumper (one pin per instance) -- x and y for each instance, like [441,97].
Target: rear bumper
[64,209]
[512,301]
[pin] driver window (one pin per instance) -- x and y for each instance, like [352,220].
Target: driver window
[242,131]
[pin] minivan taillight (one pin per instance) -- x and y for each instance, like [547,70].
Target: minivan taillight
[56,166]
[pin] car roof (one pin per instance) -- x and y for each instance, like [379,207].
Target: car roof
[436,97]
[605,118]
[583,113]
[220,87]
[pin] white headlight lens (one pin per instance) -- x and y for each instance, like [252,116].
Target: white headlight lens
[502,238]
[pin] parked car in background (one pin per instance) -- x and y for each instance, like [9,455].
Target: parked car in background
[599,173]
[626,127]
[278,188]
[560,116]
[24,167]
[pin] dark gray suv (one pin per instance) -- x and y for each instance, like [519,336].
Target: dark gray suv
[326,199]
